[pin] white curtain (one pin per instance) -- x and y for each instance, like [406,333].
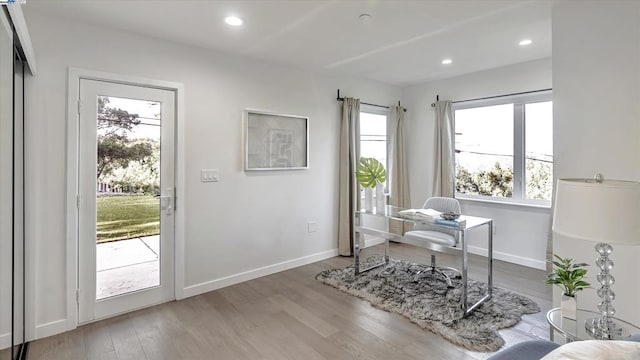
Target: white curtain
[443,182]
[349,199]
[398,172]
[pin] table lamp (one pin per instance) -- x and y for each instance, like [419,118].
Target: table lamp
[606,212]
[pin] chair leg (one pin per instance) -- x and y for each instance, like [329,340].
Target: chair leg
[444,275]
[456,272]
[440,270]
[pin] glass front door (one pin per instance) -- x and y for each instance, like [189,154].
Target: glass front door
[126,198]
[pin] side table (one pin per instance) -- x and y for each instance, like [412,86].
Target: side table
[574,330]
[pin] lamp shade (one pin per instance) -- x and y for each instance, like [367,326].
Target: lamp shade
[607,211]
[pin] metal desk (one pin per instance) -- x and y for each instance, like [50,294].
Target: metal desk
[391,212]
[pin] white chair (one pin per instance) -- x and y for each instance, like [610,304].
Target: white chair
[425,233]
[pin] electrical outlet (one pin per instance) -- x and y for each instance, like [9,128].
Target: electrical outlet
[209,175]
[312,226]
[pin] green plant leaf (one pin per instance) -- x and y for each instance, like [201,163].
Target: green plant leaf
[580,272]
[568,275]
[370,172]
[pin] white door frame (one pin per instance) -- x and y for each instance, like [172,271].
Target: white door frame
[73,93]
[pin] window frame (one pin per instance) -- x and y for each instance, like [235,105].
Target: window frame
[519,154]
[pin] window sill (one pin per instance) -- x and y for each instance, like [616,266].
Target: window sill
[464,198]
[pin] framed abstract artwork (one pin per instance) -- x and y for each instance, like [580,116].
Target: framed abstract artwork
[275,141]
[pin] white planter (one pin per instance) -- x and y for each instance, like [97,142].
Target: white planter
[368,199]
[568,307]
[380,198]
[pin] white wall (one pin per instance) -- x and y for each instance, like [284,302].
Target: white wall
[244,222]
[521,232]
[596,90]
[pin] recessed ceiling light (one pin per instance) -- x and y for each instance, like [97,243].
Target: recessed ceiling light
[233,21]
[446,61]
[365,17]
[525,42]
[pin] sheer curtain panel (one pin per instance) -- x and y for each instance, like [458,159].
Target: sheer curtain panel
[443,181]
[349,199]
[398,172]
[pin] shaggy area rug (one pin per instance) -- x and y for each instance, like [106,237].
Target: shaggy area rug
[428,302]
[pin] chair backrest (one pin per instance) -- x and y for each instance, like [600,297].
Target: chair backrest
[442,204]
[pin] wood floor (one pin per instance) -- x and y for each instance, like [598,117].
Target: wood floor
[288,315]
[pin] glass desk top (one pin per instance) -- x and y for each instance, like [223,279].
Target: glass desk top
[392,212]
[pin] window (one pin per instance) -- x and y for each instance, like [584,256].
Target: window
[373,135]
[504,149]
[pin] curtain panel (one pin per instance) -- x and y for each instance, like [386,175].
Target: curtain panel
[349,199]
[443,182]
[398,171]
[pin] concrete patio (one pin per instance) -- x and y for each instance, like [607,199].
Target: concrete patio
[127,265]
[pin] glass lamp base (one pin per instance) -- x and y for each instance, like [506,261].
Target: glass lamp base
[603,328]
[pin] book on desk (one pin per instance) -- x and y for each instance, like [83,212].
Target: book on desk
[429,214]
[457,223]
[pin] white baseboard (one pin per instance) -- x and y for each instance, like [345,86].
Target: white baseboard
[5,341]
[520,260]
[204,287]
[532,263]
[51,328]
[373,241]
[42,331]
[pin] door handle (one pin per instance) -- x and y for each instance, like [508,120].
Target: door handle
[166,202]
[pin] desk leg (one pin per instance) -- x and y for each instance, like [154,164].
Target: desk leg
[465,255]
[358,234]
[356,244]
[386,251]
[465,270]
[490,259]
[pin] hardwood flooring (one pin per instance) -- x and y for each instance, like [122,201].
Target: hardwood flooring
[289,315]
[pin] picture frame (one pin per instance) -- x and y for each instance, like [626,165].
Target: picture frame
[275,141]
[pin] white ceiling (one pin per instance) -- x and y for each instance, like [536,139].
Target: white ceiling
[403,44]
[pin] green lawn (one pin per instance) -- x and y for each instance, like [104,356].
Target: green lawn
[127,216]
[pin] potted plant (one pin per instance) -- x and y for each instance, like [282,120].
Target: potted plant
[370,173]
[569,276]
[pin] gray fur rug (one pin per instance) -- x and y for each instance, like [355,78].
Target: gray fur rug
[431,305]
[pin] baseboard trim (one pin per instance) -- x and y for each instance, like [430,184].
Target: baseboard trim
[207,286]
[515,259]
[51,328]
[498,255]
[5,341]
[373,241]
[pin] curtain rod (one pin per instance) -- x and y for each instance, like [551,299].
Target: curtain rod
[381,106]
[492,97]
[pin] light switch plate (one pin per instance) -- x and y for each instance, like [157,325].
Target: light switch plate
[209,175]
